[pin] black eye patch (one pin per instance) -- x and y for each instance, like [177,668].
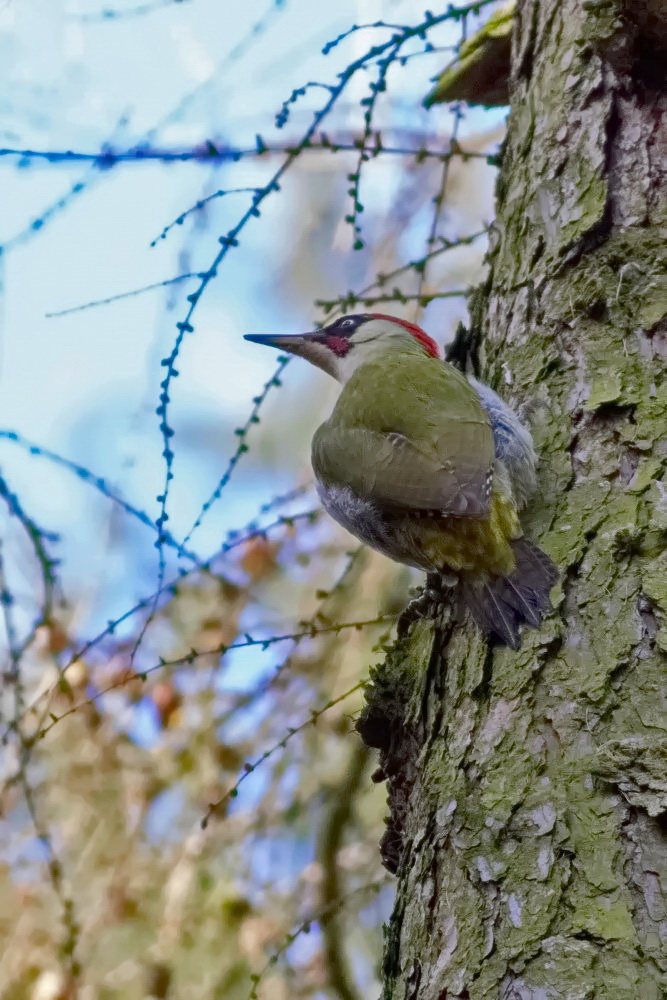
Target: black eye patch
[346,325]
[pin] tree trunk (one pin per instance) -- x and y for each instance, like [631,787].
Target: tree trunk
[528,790]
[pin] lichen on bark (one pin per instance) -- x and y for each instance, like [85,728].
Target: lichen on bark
[527,790]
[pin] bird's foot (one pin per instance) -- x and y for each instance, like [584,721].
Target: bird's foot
[428,603]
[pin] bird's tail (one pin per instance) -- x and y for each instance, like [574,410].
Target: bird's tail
[502,604]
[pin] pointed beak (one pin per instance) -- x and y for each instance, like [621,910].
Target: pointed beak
[304,345]
[309,346]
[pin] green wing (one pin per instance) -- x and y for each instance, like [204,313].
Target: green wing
[409,440]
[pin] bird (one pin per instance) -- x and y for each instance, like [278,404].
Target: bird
[429,467]
[480,71]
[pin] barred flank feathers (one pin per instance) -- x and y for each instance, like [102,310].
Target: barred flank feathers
[502,605]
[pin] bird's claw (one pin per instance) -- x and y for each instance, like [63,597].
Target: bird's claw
[427,603]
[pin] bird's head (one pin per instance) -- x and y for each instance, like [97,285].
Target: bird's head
[351,341]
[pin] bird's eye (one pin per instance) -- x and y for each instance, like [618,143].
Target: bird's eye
[346,323]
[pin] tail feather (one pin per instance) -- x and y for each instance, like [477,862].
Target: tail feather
[502,605]
[524,602]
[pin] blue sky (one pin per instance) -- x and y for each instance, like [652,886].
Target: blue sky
[86,383]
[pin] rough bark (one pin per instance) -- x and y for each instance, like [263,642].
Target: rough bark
[528,791]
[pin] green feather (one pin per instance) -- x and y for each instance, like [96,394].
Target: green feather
[410,433]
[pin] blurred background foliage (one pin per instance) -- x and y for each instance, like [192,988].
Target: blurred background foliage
[216,677]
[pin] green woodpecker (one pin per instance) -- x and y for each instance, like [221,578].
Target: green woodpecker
[428,467]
